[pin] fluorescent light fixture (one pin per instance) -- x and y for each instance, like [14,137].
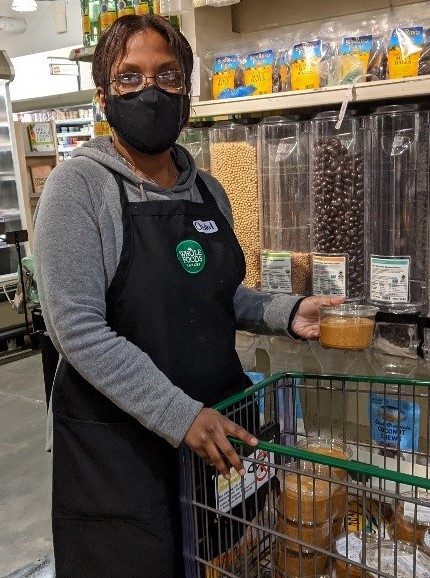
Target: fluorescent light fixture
[24,5]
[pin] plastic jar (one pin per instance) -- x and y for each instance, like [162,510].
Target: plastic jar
[347,326]
[388,556]
[336,449]
[314,535]
[404,527]
[305,498]
[289,564]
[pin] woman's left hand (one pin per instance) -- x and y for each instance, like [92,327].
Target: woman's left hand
[305,323]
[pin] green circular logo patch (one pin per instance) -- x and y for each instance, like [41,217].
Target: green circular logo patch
[191,256]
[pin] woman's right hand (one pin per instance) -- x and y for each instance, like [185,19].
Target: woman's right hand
[207,436]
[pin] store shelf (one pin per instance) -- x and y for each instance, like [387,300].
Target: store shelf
[66,149]
[40,153]
[68,134]
[82,54]
[333,95]
[71,122]
[63,100]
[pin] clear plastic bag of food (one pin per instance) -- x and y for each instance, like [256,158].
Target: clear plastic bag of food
[226,74]
[408,49]
[306,63]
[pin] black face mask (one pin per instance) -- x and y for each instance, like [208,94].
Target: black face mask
[149,120]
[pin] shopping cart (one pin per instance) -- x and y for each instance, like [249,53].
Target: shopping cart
[338,485]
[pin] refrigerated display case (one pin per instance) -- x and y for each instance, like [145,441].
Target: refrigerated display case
[338,205]
[12,212]
[283,166]
[399,209]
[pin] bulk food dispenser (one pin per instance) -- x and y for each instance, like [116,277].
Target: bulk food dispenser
[337,205]
[399,209]
[283,163]
[233,158]
[195,139]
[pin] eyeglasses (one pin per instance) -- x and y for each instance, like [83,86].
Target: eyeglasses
[170,81]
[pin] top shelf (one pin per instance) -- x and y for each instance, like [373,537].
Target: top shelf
[332,95]
[82,54]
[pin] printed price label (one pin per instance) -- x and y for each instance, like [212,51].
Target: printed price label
[276,272]
[423,512]
[329,275]
[230,493]
[389,279]
[355,545]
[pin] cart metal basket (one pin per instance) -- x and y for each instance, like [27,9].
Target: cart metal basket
[338,485]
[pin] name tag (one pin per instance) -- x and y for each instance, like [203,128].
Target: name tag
[206,227]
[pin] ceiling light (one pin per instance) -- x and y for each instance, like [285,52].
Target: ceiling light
[24,5]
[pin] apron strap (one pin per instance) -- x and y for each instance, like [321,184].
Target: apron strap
[122,194]
[205,194]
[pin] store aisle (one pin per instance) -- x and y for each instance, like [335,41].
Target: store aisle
[25,528]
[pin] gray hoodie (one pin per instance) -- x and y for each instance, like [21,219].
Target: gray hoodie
[78,243]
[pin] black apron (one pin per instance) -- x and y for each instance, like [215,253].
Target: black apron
[115,505]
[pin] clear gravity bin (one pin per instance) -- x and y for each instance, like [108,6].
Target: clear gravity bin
[233,158]
[283,163]
[196,140]
[337,206]
[399,209]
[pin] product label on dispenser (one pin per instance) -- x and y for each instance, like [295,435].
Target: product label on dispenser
[394,423]
[329,275]
[389,279]
[230,493]
[276,272]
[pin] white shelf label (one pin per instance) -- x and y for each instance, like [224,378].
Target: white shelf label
[230,493]
[329,275]
[276,272]
[389,279]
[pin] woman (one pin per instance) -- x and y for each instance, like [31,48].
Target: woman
[142,306]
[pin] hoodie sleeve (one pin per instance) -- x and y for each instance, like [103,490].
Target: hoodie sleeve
[72,285]
[256,311]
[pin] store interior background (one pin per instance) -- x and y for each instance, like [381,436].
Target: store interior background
[24,466]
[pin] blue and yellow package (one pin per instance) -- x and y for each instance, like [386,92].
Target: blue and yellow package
[305,65]
[258,71]
[405,49]
[355,54]
[395,423]
[224,74]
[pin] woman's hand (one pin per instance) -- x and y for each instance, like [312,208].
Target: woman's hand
[207,436]
[305,323]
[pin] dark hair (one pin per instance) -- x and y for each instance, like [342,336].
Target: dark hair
[113,42]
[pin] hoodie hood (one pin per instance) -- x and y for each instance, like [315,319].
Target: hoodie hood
[101,150]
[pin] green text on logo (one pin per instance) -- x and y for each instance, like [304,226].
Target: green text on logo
[191,256]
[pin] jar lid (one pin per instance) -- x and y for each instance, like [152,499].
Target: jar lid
[385,556]
[326,446]
[416,513]
[395,109]
[350,310]
[333,114]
